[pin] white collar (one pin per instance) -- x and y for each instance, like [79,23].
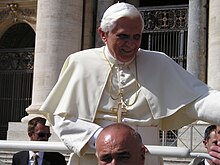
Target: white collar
[40,154]
[206,162]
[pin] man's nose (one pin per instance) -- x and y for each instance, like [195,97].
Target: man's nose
[131,42]
[115,162]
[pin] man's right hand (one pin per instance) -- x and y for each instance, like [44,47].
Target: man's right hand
[215,153]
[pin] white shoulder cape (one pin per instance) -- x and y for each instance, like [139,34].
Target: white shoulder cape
[167,86]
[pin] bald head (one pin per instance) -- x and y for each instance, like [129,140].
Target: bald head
[120,128]
[119,144]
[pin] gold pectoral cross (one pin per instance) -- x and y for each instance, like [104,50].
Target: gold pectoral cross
[120,110]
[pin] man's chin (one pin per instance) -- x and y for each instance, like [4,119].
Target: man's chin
[126,58]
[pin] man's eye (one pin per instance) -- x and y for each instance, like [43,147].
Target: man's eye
[107,160]
[123,157]
[137,37]
[123,36]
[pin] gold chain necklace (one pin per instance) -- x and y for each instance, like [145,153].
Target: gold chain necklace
[120,93]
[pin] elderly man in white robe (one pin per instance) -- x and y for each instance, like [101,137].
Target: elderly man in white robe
[120,82]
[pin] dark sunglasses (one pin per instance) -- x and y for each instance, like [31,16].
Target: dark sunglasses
[42,134]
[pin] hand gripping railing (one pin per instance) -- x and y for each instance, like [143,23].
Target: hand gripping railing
[164,151]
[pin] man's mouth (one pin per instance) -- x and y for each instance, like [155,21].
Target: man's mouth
[128,52]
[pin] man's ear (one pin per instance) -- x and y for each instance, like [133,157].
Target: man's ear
[144,150]
[102,34]
[30,134]
[204,142]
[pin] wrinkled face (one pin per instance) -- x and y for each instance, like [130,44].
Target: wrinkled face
[210,141]
[41,133]
[120,149]
[125,38]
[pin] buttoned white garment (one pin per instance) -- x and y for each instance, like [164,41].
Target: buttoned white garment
[124,77]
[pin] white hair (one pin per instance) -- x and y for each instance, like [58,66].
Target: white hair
[117,11]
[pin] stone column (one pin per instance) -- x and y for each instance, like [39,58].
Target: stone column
[214,45]
[89,22]
[58,34]
[197,45]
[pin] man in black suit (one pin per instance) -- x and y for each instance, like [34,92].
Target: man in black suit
[209,140]
[37,131]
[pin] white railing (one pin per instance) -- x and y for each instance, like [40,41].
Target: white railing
[190,136]
[164,151]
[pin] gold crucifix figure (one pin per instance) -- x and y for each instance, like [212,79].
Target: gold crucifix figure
[120,110]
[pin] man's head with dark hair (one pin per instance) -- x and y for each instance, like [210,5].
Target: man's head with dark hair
[210,138]
[33,123]
[37,130]
[208,130]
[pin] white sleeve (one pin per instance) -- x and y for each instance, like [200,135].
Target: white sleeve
[92,140]
[207,108]
[75,133]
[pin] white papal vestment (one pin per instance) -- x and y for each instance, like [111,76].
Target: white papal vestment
[157,91]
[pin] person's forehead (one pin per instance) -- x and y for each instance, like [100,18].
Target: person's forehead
[131,20]
[122,141]
[128,24]
[212,134]
[115,147]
